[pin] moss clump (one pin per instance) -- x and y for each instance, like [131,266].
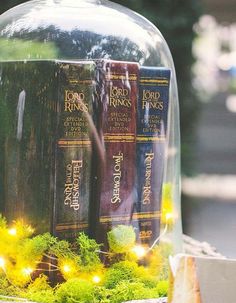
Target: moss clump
[89,253]
[62,249]
[122,271]
[162,288]
[121,239]
[33,249]
[102,295]
[75,290]
[6,289]
[40,291]
[132,291]
[87,280]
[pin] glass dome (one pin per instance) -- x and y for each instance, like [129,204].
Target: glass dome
[99,50]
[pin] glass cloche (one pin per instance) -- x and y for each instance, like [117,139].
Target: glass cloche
[89,151]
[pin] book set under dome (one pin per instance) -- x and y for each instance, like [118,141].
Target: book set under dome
[89,154]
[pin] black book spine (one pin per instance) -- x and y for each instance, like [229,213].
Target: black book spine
[27,141]
[73,149]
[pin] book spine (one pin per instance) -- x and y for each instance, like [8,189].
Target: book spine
[119,101]
[28,101]
[12,98]
[151,134]
[73,149]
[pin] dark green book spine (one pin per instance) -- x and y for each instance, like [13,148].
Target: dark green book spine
[73,148]
[151,137]
[27,136]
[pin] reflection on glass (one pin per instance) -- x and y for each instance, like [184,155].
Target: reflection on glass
[89,135]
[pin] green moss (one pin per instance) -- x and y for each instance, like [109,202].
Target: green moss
[102,295]
[123,280]
[162,288]
[6,289]
[76,290]
[61,249]
[43,296]
[122,271]
[33,249]
[89,253]
[121,239]
[148,281]
[132,291]
[40,291]
[40,283]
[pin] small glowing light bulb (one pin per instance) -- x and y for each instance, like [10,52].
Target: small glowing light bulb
[2,263]
[30,229]
[96,279]
[169,216]
[139,250]
[12,231]
[27,271]
[66,268]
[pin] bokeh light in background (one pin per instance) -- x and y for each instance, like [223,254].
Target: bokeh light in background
[215,52]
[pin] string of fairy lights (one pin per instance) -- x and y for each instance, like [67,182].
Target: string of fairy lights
[65,267]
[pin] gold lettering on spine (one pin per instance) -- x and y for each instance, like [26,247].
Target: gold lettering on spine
[151,100]
[119,97]
[146,199]
[75,101]
[117,174]
[72,185]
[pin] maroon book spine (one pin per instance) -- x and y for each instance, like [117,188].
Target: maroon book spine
[118,128]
